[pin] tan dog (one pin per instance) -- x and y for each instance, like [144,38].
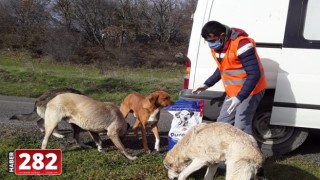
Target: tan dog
[40,107]
[146,111]
[88,114]
[209,144]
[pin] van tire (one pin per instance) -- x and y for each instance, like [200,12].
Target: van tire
[276,140]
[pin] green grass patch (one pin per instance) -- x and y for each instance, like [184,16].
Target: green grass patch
[91,164]
[295,168]
[20,75]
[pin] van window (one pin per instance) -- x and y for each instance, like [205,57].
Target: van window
[311,26]
[302,27]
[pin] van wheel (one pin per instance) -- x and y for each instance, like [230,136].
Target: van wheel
[275,140]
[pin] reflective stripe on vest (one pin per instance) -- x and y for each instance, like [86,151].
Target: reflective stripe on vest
[231,70]
[234,82]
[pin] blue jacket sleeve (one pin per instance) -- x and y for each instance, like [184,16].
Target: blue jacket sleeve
[250,64]
[213,79]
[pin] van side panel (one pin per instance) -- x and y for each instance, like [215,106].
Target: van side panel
[264,21]
[298,77]
[200,17]
[295,117]
[297,100]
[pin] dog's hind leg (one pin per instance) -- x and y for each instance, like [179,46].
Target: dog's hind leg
[40,124]
[239,170]
[211,171]
[144,138]
[76,132]
[195,165]
[127,129]
[57,134]
[114,137]
[116,141]
[97,140]
[135,127]
[49,127]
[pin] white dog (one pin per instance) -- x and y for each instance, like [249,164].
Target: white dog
[209,144]
[184,117]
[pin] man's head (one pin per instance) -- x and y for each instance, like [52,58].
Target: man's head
[215,34]
[213,28]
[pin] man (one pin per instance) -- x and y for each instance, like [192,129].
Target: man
[241,72]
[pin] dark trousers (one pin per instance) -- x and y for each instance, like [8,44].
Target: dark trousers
[242,116]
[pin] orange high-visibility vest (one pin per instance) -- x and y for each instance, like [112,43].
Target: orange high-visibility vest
[232,72]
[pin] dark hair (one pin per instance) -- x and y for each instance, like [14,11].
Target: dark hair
[213,27]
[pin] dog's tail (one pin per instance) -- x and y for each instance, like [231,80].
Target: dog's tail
[26,117]
[124,110]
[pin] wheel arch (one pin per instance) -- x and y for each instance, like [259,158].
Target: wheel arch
[287,139]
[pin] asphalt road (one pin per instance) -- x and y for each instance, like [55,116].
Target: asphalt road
[10,105]
[16,105]
[20,105]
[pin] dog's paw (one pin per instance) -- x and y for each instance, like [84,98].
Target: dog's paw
[157,145]
[157,149]
[148,151]
[58,135]
[101,150]
[133,158]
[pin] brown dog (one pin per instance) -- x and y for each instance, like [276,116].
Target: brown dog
[146,111]
[87,114]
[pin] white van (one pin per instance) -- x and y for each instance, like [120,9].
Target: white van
[287,34]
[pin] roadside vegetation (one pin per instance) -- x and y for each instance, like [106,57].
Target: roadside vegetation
[22,75]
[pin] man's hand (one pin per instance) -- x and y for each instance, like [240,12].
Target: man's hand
[234,103]
[199,88]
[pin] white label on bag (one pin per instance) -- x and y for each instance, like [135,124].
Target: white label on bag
[182,121]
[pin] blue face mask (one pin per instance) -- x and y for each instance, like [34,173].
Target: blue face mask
[216,45]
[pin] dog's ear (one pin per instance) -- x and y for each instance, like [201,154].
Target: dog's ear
[191,113]
[177,114]
[149,101]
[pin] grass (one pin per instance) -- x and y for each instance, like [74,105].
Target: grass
[20,75]
[295,167]
[91,164]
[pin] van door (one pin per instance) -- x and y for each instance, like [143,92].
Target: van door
[297,100]
[198,54]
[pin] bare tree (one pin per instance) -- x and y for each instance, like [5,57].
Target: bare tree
[31,20]
[160,19]
[8,37]
[73,29]
[91,16]
[62,10]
